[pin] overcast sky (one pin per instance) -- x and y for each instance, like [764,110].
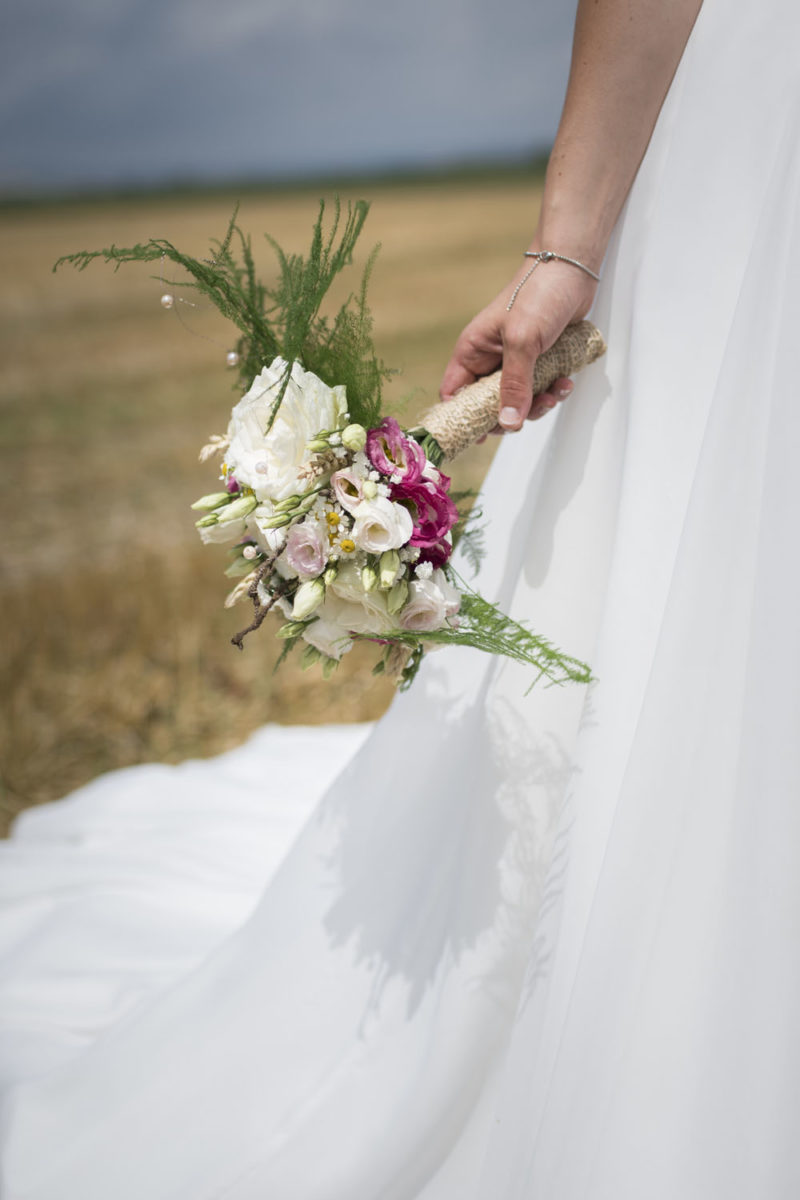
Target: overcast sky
[116,91]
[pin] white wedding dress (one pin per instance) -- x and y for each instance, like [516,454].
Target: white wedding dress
[535,946]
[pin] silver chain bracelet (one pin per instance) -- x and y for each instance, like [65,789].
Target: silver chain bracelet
[542,256]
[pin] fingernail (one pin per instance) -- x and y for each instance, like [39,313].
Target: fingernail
[509,418]
[564,391]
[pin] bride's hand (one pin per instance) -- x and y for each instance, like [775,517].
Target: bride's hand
[555,295]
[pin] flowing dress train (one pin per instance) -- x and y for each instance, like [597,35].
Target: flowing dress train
[503,945]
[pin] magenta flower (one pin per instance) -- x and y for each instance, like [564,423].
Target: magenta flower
[437,554]
[433,512]
[232,484]
[394,454]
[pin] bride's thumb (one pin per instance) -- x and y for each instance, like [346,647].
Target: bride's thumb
[516,389]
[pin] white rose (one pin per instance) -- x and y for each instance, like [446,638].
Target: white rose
[328,637]
[347,584]
[366,611]
[430,603]
[380,525]
[269,462]
[361,612]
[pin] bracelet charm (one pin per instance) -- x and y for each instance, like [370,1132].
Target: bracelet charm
[543,256]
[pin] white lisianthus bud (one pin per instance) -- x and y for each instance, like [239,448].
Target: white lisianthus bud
[291,629]
[276,522]
[397,597]
[388,568]
[354,437]
[307,599]
[212,500]
[241,507]
[369,578]
[287,504]
[369,489]
[222,532]
[206,521]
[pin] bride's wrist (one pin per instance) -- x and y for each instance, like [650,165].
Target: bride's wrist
[570,243]
[581,232]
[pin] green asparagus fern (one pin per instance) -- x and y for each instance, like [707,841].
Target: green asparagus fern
[285,319]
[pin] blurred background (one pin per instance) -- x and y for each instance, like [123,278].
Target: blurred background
[123,120]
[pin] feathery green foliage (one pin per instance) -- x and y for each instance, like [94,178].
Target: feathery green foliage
[286,318]
[468,537]
[482,626]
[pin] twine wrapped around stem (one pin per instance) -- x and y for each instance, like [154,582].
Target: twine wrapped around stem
[456,424]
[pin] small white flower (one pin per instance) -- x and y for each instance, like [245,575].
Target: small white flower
[423,570]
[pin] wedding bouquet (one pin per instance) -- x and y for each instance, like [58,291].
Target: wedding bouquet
[337,517]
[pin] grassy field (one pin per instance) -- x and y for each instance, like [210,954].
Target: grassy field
[115,643]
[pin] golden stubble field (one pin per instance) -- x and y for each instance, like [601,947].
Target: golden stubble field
[115,644]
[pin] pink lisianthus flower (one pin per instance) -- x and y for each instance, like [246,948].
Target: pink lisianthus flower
[306,550]
[394,454]
[433,512]
[348,488]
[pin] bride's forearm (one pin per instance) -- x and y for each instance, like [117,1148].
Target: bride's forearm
[624,56]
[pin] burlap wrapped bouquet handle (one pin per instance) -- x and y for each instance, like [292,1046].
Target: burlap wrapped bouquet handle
[458,423]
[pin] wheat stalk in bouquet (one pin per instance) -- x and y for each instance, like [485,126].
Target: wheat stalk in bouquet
[336,517]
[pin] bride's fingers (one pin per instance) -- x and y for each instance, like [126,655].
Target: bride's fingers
[477,352]
[456,376]
[546,401]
